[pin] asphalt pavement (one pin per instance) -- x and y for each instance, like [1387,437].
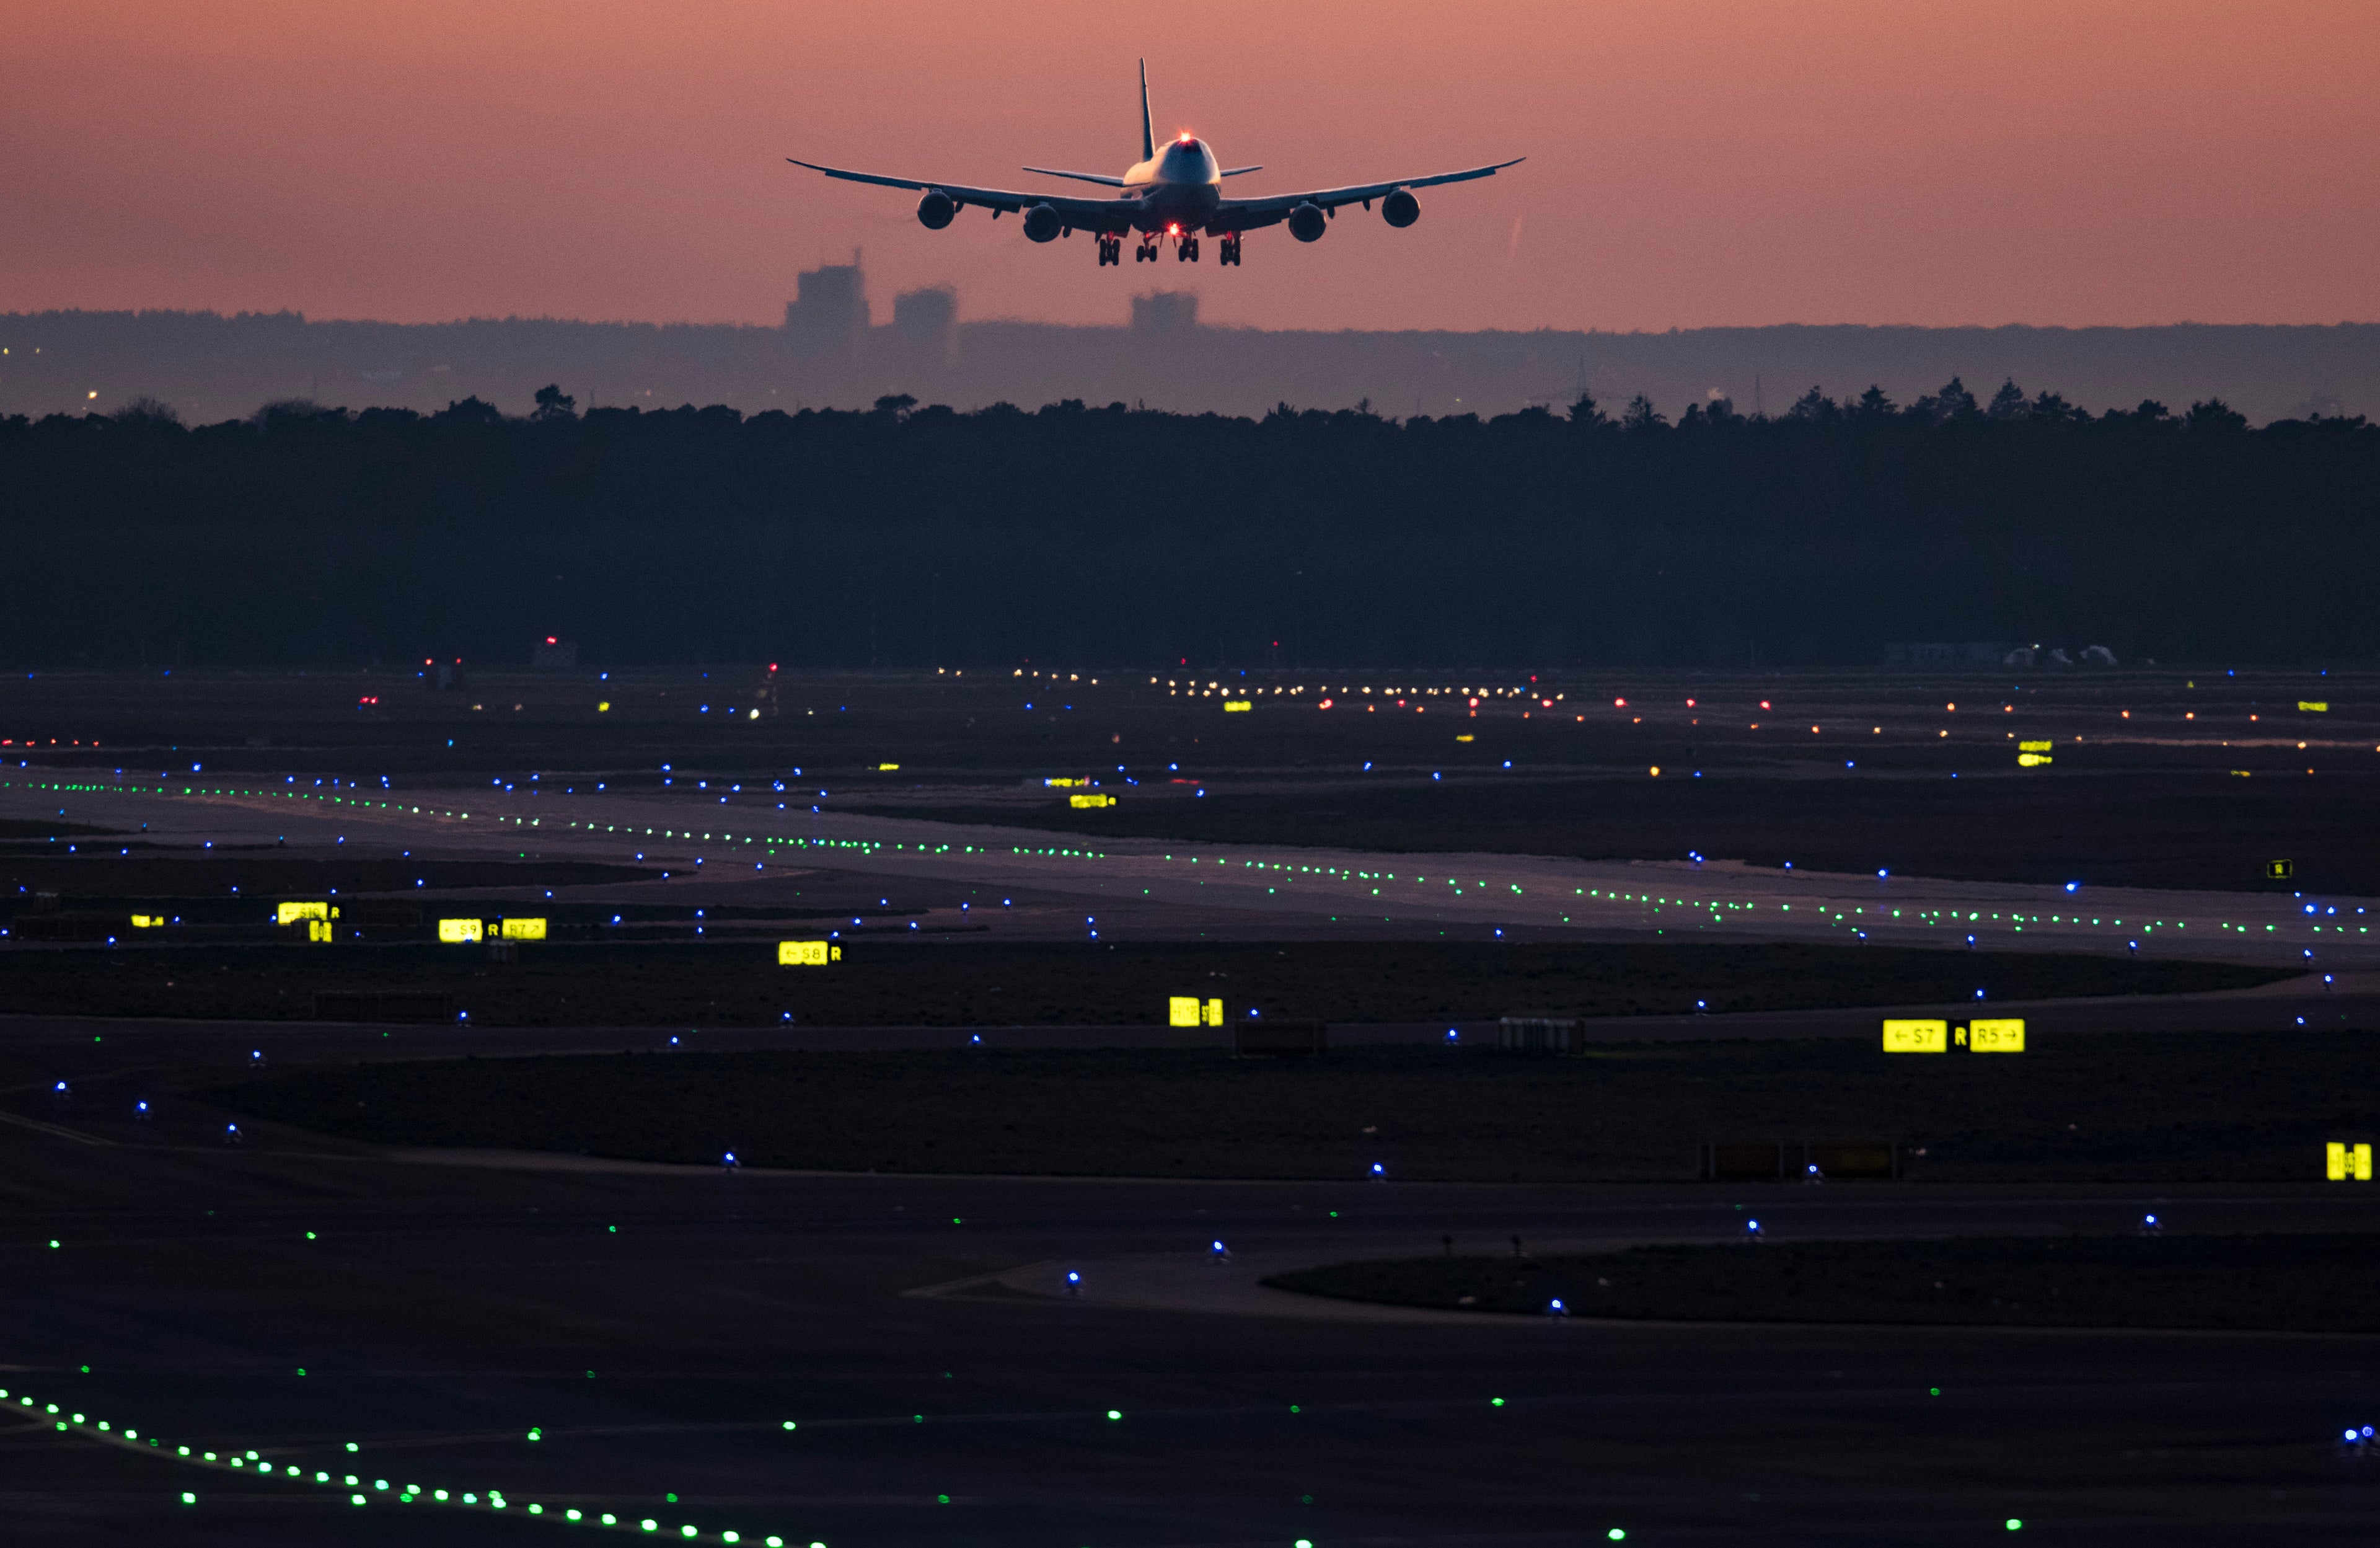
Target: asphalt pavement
[599,1336]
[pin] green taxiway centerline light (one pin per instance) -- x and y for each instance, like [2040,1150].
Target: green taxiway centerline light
[406,1493]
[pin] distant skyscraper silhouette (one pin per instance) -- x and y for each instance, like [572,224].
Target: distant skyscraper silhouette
[1165,312]
[926,326]
[828,317]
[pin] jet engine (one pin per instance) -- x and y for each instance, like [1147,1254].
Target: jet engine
[1041,223]
[935,210]
[1400,208]
[1307,222]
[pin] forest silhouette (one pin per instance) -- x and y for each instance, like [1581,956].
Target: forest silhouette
[911,536]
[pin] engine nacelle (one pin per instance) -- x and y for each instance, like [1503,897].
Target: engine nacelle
[1400,209]
[1041,223]
[1306,222]
[936,210]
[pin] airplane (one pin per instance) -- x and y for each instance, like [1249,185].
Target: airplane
[1173,196]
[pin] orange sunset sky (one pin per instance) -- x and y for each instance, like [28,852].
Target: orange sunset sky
[1724,162]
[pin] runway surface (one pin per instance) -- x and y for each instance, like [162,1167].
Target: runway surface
[1406,893]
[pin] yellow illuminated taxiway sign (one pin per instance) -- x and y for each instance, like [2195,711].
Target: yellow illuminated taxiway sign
[1996,1035]
[1916,1037]
[2003,1036]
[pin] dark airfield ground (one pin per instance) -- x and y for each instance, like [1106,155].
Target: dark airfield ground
[440,1313]
[957,982]
[2315,1283]
[2094,1107]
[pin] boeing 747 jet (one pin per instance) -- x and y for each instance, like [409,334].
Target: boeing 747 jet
[1170,196]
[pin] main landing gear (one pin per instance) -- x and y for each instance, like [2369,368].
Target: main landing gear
[1185,250]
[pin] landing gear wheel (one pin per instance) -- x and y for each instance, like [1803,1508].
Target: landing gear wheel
[1229,251]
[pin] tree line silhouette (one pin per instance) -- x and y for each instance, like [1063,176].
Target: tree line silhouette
[909,535]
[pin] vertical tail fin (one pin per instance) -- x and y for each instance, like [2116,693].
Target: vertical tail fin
[1148,130]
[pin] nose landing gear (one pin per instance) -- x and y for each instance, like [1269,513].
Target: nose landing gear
[1145,253]
[1187,250]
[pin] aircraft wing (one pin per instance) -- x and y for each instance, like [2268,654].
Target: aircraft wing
[1241,214]
[1086,215]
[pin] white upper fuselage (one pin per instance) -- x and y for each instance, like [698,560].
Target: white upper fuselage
[1177,188]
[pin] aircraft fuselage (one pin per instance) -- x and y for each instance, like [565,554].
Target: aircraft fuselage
[1175,191]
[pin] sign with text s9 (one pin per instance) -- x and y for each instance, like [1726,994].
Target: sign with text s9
[460,932]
